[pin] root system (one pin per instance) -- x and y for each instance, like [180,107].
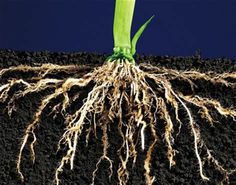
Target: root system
[135,97]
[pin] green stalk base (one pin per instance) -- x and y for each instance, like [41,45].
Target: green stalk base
[121,53]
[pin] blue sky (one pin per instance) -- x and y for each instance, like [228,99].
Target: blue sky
[180,27]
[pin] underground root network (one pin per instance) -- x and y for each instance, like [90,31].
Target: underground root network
[136,96]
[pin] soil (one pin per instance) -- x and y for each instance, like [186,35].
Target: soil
[221,138]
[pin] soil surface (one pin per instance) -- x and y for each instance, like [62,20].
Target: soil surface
[221,138]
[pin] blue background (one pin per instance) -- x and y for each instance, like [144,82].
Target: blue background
[180,28]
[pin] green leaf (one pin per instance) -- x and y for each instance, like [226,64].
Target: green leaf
[138,34]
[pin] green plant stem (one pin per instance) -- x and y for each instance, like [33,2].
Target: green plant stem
[124,11]
[124,48]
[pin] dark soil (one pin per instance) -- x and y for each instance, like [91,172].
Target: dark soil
[221,138]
